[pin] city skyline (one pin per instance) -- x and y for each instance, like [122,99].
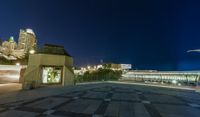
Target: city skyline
[13,50]
[146,34]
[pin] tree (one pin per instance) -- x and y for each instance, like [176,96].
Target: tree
[107,65]
[99,75]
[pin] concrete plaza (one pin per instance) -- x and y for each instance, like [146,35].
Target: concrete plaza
[101,100]
[9,87]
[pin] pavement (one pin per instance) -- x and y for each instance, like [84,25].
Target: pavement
[101,100]
[9,87]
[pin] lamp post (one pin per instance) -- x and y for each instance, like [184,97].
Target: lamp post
[32,51]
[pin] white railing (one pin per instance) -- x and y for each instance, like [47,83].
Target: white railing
[181,76]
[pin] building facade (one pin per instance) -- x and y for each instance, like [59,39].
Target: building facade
[27,39]
[51,65]
[11,50]
[8,46]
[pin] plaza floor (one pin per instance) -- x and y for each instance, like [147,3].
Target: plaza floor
[108,100]
[9,87]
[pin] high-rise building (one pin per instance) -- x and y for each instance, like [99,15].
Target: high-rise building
[27,39]
[9,46]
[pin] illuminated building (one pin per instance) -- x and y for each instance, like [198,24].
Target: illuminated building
[115,66]
[27,40]
[8,46]
[49,65]
[11,50]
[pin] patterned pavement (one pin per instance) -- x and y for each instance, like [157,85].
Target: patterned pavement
[110,100]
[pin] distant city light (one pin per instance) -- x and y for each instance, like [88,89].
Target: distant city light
[99,66]
[88,67]
[174,81]
[32,51]
[179,84]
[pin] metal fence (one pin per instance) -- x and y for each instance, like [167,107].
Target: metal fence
[183,77]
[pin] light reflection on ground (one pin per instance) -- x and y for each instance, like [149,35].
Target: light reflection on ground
[9,73]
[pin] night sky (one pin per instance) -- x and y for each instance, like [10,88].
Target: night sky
[150,34]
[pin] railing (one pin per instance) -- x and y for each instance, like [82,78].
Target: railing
[168,77]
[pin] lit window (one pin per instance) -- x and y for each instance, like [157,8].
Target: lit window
[51,75]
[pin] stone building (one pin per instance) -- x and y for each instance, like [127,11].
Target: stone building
[51,65]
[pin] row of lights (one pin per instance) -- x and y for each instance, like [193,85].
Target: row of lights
[91,67]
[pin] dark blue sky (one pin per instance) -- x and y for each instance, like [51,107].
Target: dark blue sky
[150,34]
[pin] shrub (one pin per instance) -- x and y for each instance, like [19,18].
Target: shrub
[99,75]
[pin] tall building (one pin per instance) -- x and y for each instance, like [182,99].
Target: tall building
[27,39]
[9,46]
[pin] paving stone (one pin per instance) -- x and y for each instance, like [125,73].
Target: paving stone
[140,111]
[2,109]
[188,95]
[126,109]
[47,103]
[48,112]
[75,98]
[125,90]
[177,110]
[163,99]
[76,94]
[15,103]
[95,95]
[194,105]
[139,93]
[125,97]
[112,109]
[56,116]
[194,101]
[146,102]
[81,106]
[15,113]
[29,109]
[123,101]
[107,99]
[102,89]
[12,108]
[97,115]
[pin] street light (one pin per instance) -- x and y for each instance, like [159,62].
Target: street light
[32,51]
[88,67]
[18,64]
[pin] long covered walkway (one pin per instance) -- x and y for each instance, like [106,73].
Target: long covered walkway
[182,77]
